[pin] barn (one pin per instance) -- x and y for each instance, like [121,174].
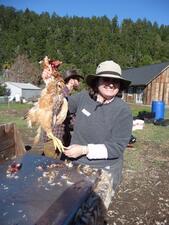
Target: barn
[22,91]
[148,83]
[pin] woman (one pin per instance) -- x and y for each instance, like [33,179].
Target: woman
[103,123]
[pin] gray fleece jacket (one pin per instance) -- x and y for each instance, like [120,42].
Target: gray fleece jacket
[109,124]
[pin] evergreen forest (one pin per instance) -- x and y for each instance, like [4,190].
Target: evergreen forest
[79,42]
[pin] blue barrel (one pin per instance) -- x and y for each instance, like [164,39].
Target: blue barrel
[158,107]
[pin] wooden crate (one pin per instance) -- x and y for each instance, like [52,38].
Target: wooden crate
[11,143]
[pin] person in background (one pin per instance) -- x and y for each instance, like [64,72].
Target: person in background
[103,122]
[63,131]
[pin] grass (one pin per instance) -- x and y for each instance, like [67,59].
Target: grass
[136,108]
[20,122]
[132,159]
[150,137]
[152,133]
[14,106]
[14,116]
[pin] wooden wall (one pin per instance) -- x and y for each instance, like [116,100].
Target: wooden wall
[156,90]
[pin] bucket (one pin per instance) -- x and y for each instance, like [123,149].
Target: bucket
[158,107]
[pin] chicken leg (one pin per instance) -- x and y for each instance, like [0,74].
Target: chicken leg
[56,141]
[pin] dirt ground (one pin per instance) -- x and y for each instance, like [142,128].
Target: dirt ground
[143,196]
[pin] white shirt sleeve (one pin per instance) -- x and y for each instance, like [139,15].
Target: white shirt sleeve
[97,151]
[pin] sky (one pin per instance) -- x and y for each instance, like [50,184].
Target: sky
[152,10]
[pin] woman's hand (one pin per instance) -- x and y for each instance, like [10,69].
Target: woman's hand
[74,151]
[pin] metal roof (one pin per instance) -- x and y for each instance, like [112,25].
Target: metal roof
[143,75]
[24,85]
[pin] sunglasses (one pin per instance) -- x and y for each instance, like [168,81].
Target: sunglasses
[109,80]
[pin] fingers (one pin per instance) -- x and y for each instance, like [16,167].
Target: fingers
[46,74]
[73,151]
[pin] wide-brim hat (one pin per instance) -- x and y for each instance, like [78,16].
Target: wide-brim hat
[108,69]
[68,74]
